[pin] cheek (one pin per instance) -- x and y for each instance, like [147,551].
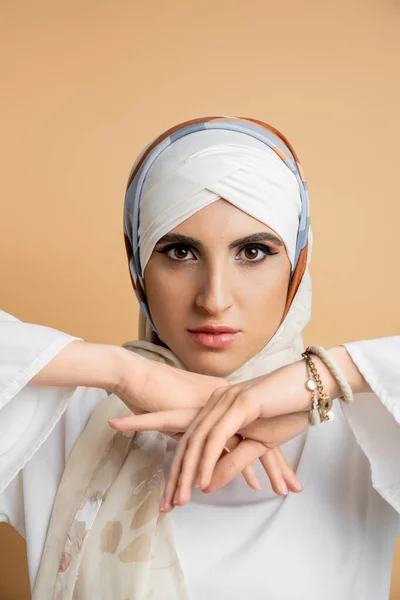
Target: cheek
[263,310]
[267,289]
[166,296]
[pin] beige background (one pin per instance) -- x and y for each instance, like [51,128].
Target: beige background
[86,84]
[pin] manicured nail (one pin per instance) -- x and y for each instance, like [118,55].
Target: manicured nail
[283,488]
[202,483]
[298,486]
[256,484]
[117,423]
[177,501]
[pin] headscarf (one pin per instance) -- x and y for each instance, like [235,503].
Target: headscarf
[204,166]
[244,161]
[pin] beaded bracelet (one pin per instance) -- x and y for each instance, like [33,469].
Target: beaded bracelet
[322,353]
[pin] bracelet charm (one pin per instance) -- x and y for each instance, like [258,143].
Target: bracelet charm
[321,409]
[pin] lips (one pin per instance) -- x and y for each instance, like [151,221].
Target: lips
[215,329]
[214,336]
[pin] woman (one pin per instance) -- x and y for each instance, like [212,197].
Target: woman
[217,234]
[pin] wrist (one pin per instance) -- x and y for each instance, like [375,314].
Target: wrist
[82,364]
[301,398]
[128,367]
[345,363]
[286,392]
[116,367]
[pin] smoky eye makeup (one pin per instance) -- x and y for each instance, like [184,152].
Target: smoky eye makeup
[255,253]
[178,252]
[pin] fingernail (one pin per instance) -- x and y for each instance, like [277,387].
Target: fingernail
[298,486]
[117,424]
[257,484]
[283,488]
[197,482]
[203,483]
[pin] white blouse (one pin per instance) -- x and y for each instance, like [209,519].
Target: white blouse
[333,541]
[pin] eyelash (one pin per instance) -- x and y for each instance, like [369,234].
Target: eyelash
[262,247]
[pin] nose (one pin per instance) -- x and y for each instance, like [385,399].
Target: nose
[214,295]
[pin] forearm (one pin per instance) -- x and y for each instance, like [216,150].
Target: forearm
[353,376]
[286,389]
[83,364]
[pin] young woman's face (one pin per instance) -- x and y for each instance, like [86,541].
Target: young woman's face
[216,286]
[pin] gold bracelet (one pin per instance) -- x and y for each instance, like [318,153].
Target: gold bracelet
[322,403]
[311,386]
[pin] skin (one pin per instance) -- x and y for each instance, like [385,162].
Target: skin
[269,411]
[213,283]
[218,281]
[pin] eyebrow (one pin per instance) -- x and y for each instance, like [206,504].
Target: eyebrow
[178,238]
[262,236]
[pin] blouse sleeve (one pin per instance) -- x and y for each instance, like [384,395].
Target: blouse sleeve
[375,417]
[26,422]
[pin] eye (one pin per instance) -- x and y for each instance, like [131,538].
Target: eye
[178,252]
[255,253]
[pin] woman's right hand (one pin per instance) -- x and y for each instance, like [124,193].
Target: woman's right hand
[142,384]
[152,386]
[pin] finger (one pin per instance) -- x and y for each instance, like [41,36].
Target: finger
[230,465]
[241,412]
[275,431]
[167,501]
[166,420]
[249,474]
[233,442]
[169,498]
[175,436]
[292,481]
[194,444]
[170,495]
[273,469]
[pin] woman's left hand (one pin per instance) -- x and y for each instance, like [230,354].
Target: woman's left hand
[199,455]
[268,411]
[262,441]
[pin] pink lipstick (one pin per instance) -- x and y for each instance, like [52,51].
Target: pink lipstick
[214,336]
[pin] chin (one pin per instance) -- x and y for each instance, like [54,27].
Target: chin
[214,364]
